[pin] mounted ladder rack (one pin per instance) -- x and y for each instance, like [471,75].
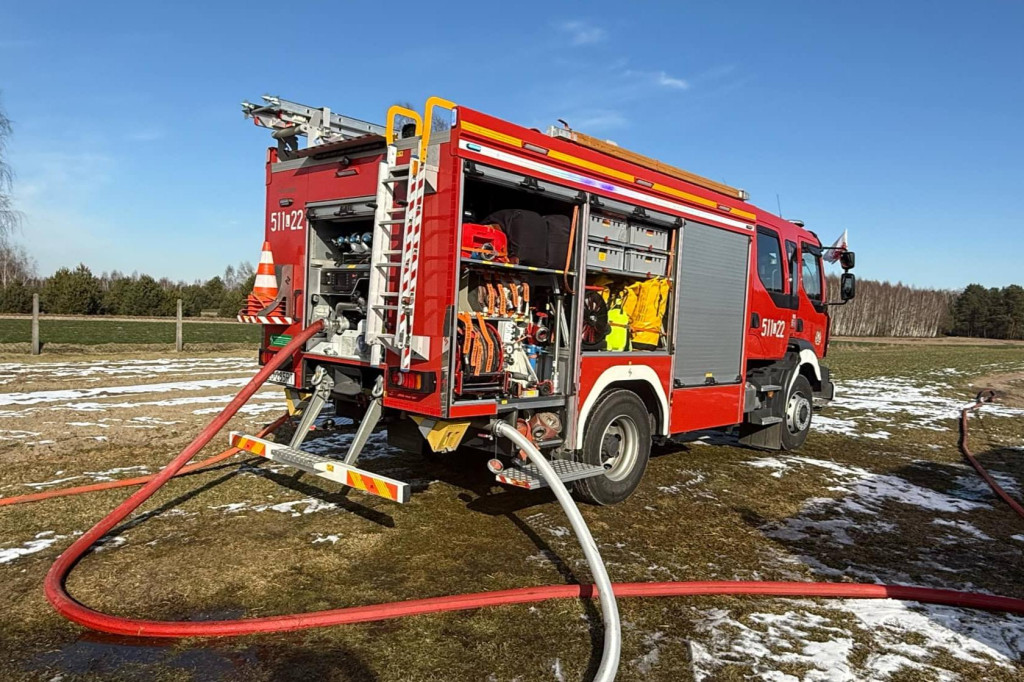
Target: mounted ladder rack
[289,120]
[401,188]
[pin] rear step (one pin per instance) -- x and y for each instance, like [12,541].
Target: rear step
[324,467]
[525,475]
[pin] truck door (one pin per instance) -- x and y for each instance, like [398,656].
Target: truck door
[812,321]
[773,304]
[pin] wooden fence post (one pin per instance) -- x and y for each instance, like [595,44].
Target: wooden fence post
[35,324]
[178,345]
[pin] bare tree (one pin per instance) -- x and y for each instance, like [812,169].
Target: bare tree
[886,309]
[9,218]
[15,263]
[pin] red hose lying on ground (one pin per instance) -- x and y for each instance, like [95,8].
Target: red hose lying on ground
[985,396]
[73,610]
[138,480]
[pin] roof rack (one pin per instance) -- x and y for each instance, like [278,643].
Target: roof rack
[618,152]
[288,120]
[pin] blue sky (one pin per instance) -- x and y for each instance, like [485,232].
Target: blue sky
[900,121]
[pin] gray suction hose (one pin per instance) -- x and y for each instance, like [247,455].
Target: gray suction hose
[609,608]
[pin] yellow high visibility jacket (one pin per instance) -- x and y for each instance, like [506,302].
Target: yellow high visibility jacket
[645,303]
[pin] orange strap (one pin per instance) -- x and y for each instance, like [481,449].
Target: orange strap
[568,253]
[486,339]
[467,325]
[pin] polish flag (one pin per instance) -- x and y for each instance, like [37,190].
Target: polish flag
[838,247]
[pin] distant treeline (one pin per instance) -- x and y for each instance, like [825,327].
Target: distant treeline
[884,309]
[79,292]
[880,308]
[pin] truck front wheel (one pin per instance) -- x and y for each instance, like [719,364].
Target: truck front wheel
[617,437]
[796,422]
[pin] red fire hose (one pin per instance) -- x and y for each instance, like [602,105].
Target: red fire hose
[75,611]
[137,480]
[986,396]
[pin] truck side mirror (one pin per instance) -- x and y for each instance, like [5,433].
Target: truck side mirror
[847,286]
[847,259]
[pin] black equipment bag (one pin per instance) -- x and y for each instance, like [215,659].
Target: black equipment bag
[558,240]
[527,235]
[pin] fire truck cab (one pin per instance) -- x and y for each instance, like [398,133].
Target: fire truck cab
[468,270]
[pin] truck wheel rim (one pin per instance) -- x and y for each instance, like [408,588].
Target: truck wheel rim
[620,447]
[798,413]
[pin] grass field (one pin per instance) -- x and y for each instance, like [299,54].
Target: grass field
[104,331]
[878,493]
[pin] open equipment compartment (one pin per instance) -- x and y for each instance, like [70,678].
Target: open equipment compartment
[340,240]
[516,279]
[630,277]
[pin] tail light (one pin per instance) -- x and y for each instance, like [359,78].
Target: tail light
[417,382]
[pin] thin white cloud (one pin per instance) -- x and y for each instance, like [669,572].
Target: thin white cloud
[668,81]
[597,121]
[583,33]
[660,79]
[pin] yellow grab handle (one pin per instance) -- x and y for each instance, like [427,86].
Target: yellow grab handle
[428,116]
[396,111]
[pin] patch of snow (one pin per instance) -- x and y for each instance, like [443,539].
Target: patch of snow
[249,408]
[37,397]
[964,527]
[37,544]
[556,670]
[17,435]
[916,404]
[970,636]
[83,373]
[761,642]
[645,664]
[110,542]
[311,505]
[231,507]
[333,539]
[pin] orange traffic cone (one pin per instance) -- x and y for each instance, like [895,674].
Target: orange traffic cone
[266,281]
[264,290]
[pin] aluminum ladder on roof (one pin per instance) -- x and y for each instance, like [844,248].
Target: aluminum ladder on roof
[290,120]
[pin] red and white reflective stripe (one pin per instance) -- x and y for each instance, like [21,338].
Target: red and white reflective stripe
[410,261]
[261,319]
[518,482]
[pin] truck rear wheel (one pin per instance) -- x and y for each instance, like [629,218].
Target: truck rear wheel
[796,420]
[618,437]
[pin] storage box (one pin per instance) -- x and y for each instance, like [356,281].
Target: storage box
[605,256]
[605,228]
[646,263]
[648,236]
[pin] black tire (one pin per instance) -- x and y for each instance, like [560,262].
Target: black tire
[797,414]
[619,420]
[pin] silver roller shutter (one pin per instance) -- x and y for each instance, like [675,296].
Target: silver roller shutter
[710,305]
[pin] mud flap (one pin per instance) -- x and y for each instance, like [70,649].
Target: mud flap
[761,437]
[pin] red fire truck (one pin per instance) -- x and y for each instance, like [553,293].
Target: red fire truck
[467,270]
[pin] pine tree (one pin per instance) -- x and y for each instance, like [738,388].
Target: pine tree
[72,292]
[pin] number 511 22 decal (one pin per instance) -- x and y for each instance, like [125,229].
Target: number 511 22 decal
[287,220]
[776,328]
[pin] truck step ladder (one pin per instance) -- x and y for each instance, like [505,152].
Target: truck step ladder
[324,467]
[398,220]
[525,475]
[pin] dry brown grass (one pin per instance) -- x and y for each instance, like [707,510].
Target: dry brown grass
[701,514]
